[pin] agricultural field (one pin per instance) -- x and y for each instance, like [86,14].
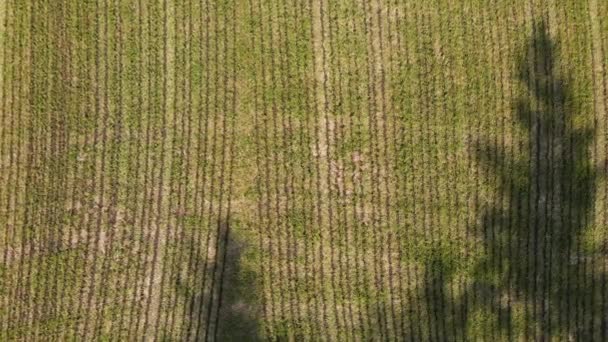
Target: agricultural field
[303,170]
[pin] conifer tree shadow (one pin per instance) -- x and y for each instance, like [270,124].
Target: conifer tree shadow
[534,255]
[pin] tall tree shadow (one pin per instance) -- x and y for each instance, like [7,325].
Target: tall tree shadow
[534,251]
[537,279]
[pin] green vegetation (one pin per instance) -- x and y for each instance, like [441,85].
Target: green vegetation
[303,170]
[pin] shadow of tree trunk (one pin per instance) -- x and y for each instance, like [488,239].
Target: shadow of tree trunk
[236,319]
[224,308]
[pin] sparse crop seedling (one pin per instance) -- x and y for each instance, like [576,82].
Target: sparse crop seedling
[343,170]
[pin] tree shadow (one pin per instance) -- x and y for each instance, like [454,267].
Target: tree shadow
[538,277]
[221,308]
[237,318]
